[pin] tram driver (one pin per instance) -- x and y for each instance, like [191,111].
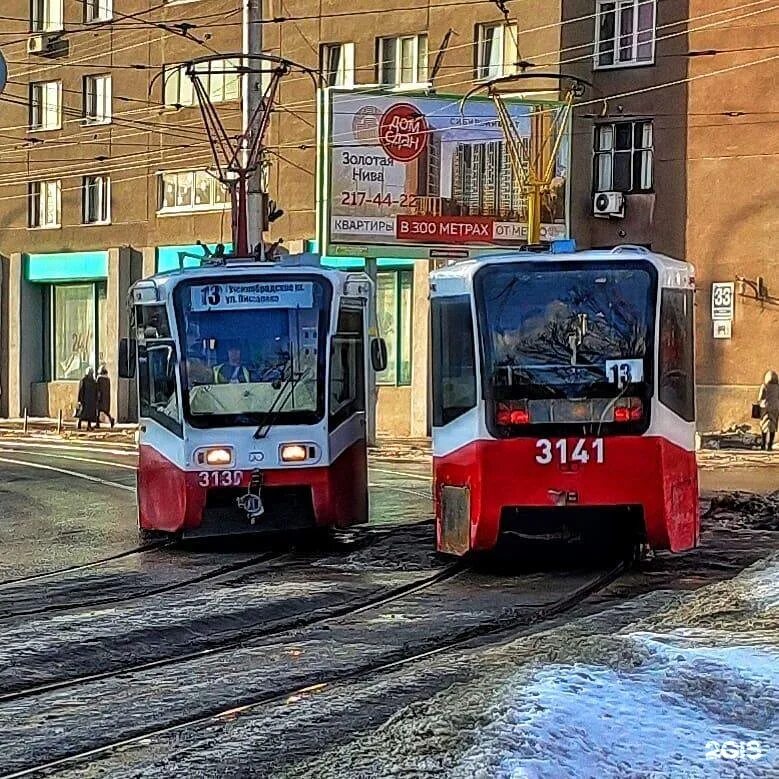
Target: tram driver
[233,371]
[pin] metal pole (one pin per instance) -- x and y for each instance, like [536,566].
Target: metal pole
[59,422]
[24,424]
[252,96]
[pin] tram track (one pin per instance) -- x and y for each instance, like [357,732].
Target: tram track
[83,566]
[304,620]
[462,639]
[215,573]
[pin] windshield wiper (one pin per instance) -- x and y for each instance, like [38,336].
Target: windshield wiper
[274,411]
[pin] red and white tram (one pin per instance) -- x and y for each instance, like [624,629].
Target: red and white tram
[564,398]
[252,383]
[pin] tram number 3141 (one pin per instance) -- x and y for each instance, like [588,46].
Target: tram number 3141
[564,451]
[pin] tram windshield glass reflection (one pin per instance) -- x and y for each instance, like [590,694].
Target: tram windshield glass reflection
[557,331]
[253,353]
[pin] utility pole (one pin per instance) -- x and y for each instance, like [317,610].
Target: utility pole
[252,95]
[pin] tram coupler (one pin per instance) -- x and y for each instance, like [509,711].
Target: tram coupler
[251,502]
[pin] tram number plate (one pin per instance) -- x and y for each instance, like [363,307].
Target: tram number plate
[220,478]
[564,451]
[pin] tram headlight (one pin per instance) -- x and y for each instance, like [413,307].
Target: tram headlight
[293,453]
[217,456]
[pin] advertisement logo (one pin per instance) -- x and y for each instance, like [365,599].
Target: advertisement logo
[365,125]
[403,132]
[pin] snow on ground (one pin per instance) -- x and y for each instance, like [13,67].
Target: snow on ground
[667,685]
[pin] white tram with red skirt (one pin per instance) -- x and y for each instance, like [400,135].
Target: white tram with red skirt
[252,383]
[564,399]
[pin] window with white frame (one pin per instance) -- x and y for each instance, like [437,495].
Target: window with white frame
[497,53]
[403,60]
[46,15]
[625,33]
[337,64]
[220,78]
[46,105]
[98,10]
[44,204]
[96,197]
[623,157]
[191,190]
[97,99]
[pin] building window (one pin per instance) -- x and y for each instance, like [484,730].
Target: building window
[191,190]
[497,50]
[97,200]
[98,10]
[97,99]
[393,308]
[44,204]
[76,313]
[46,105]
[625,33]
[220,78]
[623,157]
[403,60]
[337,64]
[46,15]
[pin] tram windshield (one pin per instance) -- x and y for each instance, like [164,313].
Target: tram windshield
[566,338]
[253,350]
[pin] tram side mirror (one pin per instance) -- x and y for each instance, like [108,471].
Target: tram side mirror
[378,354]
[127,358]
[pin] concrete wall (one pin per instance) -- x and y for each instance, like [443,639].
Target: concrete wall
[3,336]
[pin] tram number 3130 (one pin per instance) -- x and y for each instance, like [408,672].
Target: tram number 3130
[564,451]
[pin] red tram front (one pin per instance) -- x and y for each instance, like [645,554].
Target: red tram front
[564,399]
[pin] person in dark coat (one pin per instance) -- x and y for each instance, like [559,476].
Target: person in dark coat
[87,400]
[104,396]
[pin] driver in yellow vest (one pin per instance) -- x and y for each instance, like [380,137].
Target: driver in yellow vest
[231,372]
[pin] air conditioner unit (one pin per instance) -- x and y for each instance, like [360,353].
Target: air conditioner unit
[38,44]
[608,204]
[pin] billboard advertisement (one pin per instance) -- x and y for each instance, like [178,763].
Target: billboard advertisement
[414,176]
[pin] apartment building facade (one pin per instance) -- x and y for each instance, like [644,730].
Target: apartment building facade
[681,127]
[105,169]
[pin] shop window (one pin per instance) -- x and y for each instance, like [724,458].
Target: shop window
[677,353]
[403,60]
[191,190]
[76,313]
[497,50]
[454,361]
[625,33]
[347,367]
[624,157]
[394,291]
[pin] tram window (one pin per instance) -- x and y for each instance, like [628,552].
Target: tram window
[677,353]
[347,367]
[157,386]
[152,322]
[454,361]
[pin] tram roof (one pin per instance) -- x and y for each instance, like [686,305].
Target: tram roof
[671,271]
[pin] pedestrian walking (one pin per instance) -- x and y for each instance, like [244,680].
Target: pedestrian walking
[104,396]
[768,400]
[87,400]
